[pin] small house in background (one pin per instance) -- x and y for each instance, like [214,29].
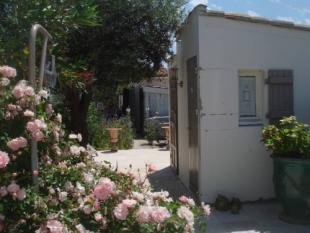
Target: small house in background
[231,76]
[148,99]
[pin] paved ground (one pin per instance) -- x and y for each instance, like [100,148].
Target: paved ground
[254,218]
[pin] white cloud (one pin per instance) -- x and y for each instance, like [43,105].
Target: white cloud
[197,2]
[213,6]
[290,19]
[252,13]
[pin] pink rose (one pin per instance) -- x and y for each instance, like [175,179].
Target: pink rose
[87,209]
[129,203]
[143,214]
[17,143]
[121,211]
[49,109]
[55,226]
[18,92]
[21,194]
[206,209]
[38,136]
[7,71]
[183,199]
[160,214]
[31,126]
[4,159]
[104,189]
[13,188]
[3,191]
[29,91]
[98,217]
[62,196]
[152,168]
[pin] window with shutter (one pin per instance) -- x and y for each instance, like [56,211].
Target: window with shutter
[280,94]
[251,97]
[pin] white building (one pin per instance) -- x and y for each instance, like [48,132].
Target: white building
[235,74]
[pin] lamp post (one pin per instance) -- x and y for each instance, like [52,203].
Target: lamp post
[37,83]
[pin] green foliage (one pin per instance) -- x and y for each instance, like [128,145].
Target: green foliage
[151,130]
[99,137]
[288,139]
[59,17]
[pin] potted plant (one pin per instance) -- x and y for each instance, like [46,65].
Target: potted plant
[114,137]
[289,142]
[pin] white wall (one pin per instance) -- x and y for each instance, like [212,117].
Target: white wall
[187,47]
[233,160]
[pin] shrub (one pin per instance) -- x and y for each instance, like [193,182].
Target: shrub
[151,130]
[98,136]
[74,193]
[288,139]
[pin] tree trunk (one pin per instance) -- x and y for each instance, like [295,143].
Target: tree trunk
[79,105]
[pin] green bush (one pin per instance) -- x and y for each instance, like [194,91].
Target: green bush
[99,137]
[126,135]
[151,130]
[288,139]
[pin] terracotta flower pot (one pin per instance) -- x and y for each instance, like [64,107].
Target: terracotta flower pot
[167,134]
[114,136]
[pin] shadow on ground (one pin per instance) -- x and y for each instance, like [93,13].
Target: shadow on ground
[165,179]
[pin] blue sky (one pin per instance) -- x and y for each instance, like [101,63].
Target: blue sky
[297,11]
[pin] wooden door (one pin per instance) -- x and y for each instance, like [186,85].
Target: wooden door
[193,123]
[174,158]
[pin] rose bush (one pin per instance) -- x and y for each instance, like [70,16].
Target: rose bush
[74,193]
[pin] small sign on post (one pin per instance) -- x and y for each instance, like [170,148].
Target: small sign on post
[37,83]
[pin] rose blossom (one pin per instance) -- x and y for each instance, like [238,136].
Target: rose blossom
[38,136]
[62,196]
[29,113]
[7,71]
[183,199]
[29,91]
[143,214]
[17,143]
[18,92]
[49,109]
[120,211]
[21,194]
[129,203]
[43,94]
[13,188]
[206,209]
[185,213]
[4,82]
[98,217]
[152,168]
[104,189]
[3,191]
[4,159]
[160,214]
[87,209]
[55,226]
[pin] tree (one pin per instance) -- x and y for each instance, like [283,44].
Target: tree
[130,44]
[120,41]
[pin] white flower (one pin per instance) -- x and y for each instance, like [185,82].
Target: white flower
[89,178]
[4,82]
[28,113]
[185,213]
[74,150]
[206,209]
[43,94]
[62,196]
